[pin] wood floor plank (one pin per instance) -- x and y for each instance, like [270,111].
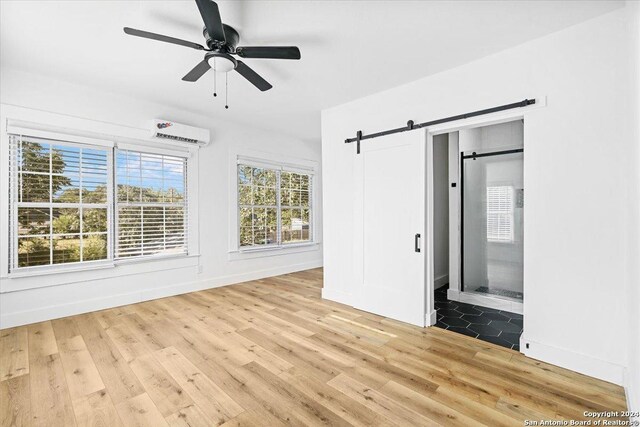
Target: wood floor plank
[145,332]
[252,392]
[191,416]
[255,418]
[51,402]
[112,316]
[129,346]
[552,381]
[119,379]
[353,412]
[80,371]
[14,353]
[65,327]
[310,411]
[96,409]
[15,402]
[272,352]
[389,371]
[545,369]
[479,412]
[553,401]
[378,402]
[242,350]
[425,406]
[140,411]
[42,340]
[312,362]
[211,399]
[165,392]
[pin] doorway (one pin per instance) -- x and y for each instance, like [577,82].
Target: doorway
[477,208]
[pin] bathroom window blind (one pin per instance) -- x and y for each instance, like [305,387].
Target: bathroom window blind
[151,204]
[500,214]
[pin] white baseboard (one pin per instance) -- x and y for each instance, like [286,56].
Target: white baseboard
[577,362]
[87,305]
[431,318]
[440,281]
[632,393]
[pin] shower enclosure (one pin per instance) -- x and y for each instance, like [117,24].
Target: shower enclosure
[492,210]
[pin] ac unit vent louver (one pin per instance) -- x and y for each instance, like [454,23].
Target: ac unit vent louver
[167,130]
[175,138]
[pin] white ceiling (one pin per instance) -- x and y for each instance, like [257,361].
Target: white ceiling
[349,48]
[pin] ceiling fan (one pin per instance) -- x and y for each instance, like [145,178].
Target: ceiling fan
[221,43]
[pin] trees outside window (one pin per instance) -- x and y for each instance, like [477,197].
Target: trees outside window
[61,203]
[274,206]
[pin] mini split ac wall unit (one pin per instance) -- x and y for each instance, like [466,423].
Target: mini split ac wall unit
[168,131]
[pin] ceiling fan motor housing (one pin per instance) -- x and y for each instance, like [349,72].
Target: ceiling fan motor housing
[232,39]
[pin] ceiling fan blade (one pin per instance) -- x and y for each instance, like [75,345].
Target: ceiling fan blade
[162,38]
[211,17]
[271,52]
[252,76]
[197,71]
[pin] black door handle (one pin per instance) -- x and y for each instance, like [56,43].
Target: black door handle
[417,242]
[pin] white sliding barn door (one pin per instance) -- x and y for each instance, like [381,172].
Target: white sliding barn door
[389,214]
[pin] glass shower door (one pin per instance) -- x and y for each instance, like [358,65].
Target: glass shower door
[492,223]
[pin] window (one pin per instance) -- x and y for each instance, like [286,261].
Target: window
[60,205]
[67,206]
[151,205]
[500,214]
[274,206]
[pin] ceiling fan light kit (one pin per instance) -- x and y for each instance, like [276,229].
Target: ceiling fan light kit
[221,42]
[221,62]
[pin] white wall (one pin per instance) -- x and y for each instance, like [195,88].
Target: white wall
[502,136]
[577,169]
[441,210]
[77,292]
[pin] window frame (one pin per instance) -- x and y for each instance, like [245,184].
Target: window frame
[252,206]
[280,163]
[21,274]
[14,204]
[278,207]
[510,213]
[141,204]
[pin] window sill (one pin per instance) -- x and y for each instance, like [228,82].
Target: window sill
[141,260]
[59,269]
[272,251]
[23,280]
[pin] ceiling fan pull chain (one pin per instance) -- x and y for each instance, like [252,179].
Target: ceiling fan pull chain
[226,91]
[215,79]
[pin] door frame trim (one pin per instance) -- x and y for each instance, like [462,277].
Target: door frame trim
[431,132]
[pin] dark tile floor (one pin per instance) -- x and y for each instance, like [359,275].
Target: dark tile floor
[487,324]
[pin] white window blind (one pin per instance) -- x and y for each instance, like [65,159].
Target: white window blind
[59,202]
[500,213]
[274,206]
[151,204]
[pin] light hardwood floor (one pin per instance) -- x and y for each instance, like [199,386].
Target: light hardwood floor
[271,352]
